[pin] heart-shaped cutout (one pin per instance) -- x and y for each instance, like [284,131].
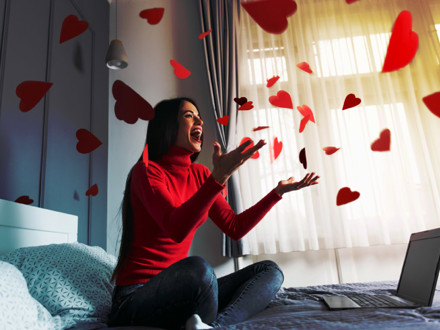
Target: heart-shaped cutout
[92,191]
[277,148]
[204,34]
[179,70]
[272,81]
[31,92]
[350,1]
[240,100]
[24,200]
[345,195]
[259,128]
[351,101]
[330,150]
[130,106]
[432,101]
[303,158]
[247,106]
[152,15]
[87,142]
[306,112]
[282,100]
[223,120]
[245,139]
[403,43]
[271,15]
[383,143]
[303,123]
[72,27]
[305,67]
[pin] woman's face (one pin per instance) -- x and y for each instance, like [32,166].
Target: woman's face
[190,128]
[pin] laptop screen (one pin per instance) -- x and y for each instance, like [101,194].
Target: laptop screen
[420,270]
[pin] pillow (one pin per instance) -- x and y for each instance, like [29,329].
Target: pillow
[71,280]
[18,310]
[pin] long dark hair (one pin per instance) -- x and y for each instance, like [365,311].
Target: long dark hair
[161,135]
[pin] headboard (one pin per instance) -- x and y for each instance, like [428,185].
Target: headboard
[24,225]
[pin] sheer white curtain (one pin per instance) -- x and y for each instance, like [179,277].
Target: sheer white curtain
[345,46]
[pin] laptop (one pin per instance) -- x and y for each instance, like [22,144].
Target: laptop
[417,282]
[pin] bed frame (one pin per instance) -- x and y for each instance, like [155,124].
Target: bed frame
[24,225]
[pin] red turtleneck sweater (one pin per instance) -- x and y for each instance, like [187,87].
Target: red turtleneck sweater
[171,199]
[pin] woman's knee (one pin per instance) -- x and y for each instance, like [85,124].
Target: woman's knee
[199,271]
[269,265]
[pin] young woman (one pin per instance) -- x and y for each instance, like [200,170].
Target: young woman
[164,203]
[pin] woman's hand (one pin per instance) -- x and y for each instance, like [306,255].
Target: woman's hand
[225,164]
[290,184]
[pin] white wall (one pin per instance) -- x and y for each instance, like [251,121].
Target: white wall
[149,73]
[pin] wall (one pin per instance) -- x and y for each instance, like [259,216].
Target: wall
[150,49]
[38,156]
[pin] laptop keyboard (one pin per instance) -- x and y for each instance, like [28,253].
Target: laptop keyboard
[366,300]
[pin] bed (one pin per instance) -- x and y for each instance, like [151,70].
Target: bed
[49,281]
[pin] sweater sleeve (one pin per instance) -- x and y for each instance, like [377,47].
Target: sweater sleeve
[176,219]
[237,225]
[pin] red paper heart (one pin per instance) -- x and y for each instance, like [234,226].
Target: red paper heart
[272,81]
[303,158]
[204,34]
[240,101]
[72,27]
[330,150]
[223,120]
[303,123]
[351,101]
[87,142]
[247,106]
[31,92]
[350,1]
[383,143]
[345,195]
[179,70]
[92,191]
[153,15]
[306,112]
[130,106]
[259,128]
[282,100]
[24,200]
[403,43]
[305,67]
[277,147]
[145,155]
[271,15]
[432,101]
[243,140]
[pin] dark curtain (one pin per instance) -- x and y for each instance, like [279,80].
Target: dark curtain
[221,63]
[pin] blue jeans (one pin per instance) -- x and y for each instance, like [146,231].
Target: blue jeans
[190,287]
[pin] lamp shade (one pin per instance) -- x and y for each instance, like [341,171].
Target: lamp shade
[116,57]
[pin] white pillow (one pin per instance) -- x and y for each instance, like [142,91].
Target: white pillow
[18,310]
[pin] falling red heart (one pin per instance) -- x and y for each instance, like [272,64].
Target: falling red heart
[305,67]
[330,150]
[145,155]
[87,142]
[130,106]
[72,27]
[92,191]
[31,92]
[350,1]
[245,139]
[303,158]
[345,195]
[247,106]
[240,101]
[204,34]
[277,147]
[259,128]
[179,70]
[272,81]
[223,120]
[153,15]
[24,200]
[303,123]
[351,101]
[271,15]
[432,101]
[306,112]
[282,100]
[383,143]
[403,43]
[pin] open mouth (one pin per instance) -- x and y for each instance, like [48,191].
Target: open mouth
[196,134]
